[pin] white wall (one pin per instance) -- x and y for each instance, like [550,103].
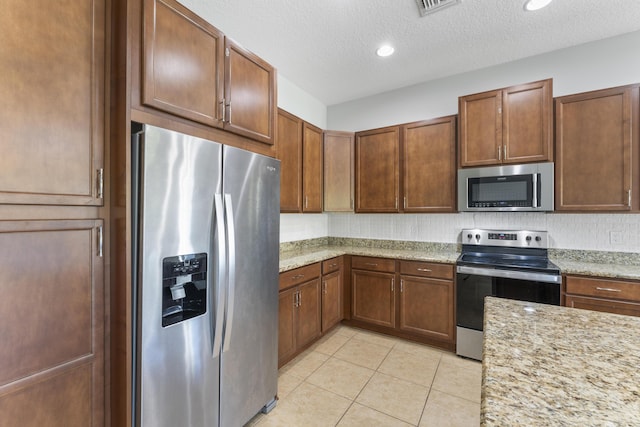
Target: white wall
[566,231]
[298,102]
[605,63]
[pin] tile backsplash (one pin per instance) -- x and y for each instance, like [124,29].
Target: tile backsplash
[600,232]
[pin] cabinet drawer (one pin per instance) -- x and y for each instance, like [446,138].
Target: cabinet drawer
[426,269]
[603,305]
[372,263]
[332,264]
[299,275]
[611,289]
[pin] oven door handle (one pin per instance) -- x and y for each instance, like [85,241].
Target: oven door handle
[510,274]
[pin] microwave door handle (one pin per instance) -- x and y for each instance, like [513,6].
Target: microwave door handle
[535,190]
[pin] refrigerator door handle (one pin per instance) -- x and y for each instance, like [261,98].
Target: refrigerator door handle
[231,242]
[220,280]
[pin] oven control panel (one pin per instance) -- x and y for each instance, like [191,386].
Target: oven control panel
[511,238]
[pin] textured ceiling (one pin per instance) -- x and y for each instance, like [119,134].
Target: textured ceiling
[327,47]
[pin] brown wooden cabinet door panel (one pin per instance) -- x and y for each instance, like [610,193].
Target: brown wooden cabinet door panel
[331,299]
[429,166]
[373,297]
[603,305]
[527,118]
[338,171]
[52,370]
[52,119]
[183,63]
[596,138]
[286,325]
[426,307]
[603,288]
[290,156]
[480,128]
[377,170]
[250,94]
[312,168]
[309,312]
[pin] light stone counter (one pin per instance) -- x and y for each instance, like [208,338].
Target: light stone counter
[301,257]
[546,365]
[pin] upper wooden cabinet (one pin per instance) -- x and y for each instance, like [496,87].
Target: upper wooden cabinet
[597,150]
[338,171]
[312,168]
[52,118]
[407,168]
[509,125]
[191,70]
[378,170]
[290,156]
[429,165]
[300,155]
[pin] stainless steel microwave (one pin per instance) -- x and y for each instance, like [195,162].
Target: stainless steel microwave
[526,187]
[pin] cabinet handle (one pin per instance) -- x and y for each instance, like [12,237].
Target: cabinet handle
[100,241]
[324,287]
[401,285]
[499,153]
[424,269]
[396,202]
[299,299]
[333,265]
[306,202]
[223,109]
[404,203]
[295,299]
[297,276]
[608,289]
[629,197]
[392,284]
[505,151]
[373,264]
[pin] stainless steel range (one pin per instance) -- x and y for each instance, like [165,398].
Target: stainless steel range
[501,263]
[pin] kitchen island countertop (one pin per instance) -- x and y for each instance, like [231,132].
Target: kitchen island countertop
[550,365]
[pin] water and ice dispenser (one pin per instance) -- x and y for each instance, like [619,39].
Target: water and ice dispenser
[184,287]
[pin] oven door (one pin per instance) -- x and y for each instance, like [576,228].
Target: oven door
[473,284]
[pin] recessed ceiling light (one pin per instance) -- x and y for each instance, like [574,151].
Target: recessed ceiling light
[531,5]
[385,50]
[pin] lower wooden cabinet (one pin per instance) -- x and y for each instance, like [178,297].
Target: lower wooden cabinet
[52,353]
[310,304]
[413,299]
[598,294]
[331,293]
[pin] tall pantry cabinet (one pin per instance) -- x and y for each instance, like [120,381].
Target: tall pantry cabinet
[52,193]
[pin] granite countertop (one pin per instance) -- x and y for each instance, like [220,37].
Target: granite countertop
[558,366]
[300,257]
[591,263]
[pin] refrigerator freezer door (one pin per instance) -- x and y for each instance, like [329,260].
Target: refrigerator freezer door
[249,365]
[177,377]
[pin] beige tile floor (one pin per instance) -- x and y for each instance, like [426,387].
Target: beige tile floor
[353,377]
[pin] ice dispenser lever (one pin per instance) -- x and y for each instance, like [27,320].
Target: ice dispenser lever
[184,287]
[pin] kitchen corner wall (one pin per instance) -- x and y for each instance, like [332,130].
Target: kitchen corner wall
[600,232]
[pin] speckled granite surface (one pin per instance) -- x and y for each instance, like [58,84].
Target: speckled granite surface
[557,366]
[300,253]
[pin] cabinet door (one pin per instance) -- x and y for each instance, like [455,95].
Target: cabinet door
[331,299]
[377,170]
[596,138]
[312,168]
[373,297]
[250,94]
[338,171]
[429,166]
[52,353]
[290,156]
[480,118]
[309,312]
[182,63]
[52,118]
[426,307]
[527,123]
[603,305]
[286,325]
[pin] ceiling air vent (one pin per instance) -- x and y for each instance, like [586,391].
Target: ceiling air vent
[430,6]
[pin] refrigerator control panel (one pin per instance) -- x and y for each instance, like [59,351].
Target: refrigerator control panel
[184,287]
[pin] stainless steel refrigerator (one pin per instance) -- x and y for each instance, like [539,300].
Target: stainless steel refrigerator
[205,273]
